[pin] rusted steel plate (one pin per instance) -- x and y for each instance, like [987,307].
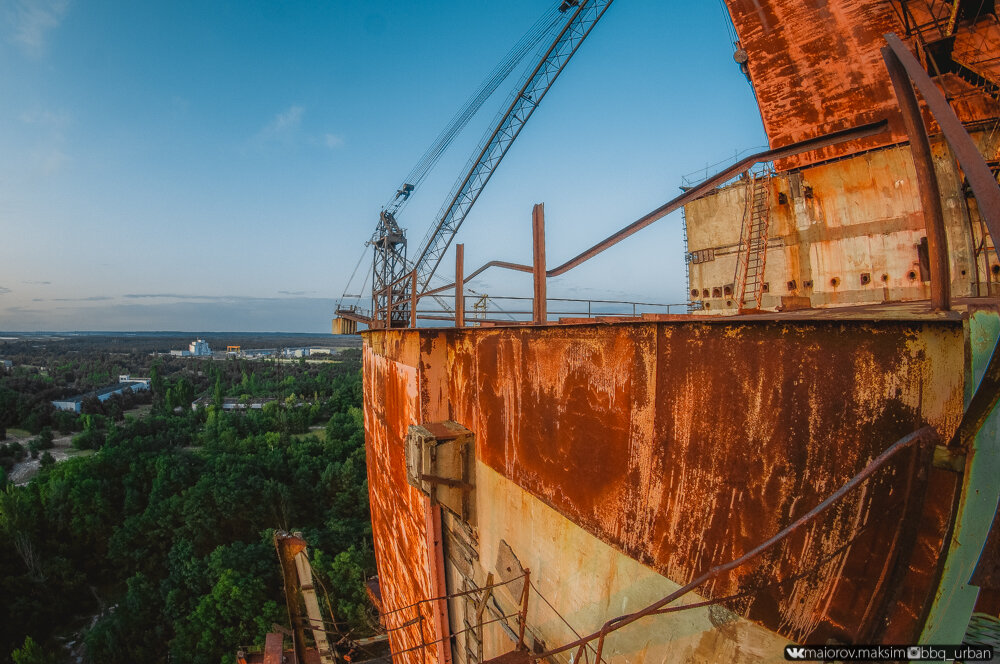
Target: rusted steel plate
[816,68]
[274,648]
[685,444]
[397,509]
[915,593]
[513,657]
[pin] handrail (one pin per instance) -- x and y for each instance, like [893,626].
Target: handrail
[792,150]
[504,264]
[863,131]
[925,435]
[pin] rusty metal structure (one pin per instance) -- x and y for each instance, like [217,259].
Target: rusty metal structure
[858,222]
[796,463]
[391,271]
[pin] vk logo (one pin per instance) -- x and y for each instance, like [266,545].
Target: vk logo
[794,652]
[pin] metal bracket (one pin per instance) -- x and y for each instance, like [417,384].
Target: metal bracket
[949,458]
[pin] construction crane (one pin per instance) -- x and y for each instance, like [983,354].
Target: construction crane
[391,289]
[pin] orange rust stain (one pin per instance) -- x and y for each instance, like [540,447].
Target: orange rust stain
[398,511]
[817,68]
[686,444]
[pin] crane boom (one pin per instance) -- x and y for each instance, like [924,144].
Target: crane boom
[390,267]
[585,16]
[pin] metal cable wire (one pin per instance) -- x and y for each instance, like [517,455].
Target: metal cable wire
[347,288]
[526,44]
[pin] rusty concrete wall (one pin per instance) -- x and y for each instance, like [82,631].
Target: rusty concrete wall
[816,68]
[833,224]
[398,510]
[684,444]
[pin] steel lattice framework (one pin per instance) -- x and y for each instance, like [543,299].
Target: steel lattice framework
[390,297]
[388,270]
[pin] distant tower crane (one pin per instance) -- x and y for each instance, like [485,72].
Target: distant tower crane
[390,288]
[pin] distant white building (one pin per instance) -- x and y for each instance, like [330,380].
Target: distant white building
[7,365]
[199,348]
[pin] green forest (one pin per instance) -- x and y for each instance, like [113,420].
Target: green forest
[155,544]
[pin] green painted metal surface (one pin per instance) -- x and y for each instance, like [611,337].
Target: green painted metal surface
[955,599]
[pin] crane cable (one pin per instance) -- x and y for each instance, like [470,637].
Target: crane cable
[528,42]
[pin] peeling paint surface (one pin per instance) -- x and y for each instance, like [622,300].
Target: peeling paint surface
[584,580]
[816,68]
[684,445]
[853,240]
[398,510]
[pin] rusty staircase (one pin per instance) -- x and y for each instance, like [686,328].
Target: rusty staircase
[749,278]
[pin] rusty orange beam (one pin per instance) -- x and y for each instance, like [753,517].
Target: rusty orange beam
[274,648]
[435,569]
[517,267]
[539,308]
[459,286]
[927,182]
[413,299]
[984,186]
[288,546]
[708,185]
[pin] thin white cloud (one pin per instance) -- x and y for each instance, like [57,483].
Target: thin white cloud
[92,298]
[333,141]
[290,119]
[46,118]
[172,296]
[49,160]
[29,23]
[283,127]
[284,123]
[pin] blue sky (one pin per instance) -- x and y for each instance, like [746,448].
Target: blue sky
[213,166]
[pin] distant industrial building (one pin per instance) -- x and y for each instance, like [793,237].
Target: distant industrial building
[7,365]
[232,403]
[125,382]
[197,348]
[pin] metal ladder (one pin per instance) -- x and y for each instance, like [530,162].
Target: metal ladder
[749,278]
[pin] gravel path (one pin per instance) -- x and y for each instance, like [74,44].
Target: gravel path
[22,473]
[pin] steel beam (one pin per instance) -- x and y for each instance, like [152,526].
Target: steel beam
[980,178]
[718,179]
[927,183]
[539,308]
[459,286]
